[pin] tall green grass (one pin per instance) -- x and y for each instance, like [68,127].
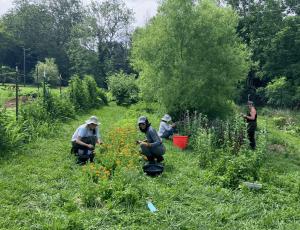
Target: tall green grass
[38,190]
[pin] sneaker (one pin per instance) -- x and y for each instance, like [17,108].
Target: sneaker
[160,159]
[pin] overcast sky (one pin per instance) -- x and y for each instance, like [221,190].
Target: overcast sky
[143,8]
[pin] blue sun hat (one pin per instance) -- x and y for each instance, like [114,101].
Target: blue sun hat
[142,119]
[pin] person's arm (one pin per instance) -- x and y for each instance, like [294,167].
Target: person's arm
[155,138]
[174,125]
[78,141]
[99,142]
[167,127]
[252,113]
[98,137]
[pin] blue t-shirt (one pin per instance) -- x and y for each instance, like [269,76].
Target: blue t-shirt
[84,131]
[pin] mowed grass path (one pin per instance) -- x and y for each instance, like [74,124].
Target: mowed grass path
[38,191]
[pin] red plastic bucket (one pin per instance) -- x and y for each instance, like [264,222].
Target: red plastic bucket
[180,141]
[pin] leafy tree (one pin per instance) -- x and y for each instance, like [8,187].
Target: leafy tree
[52,73]
[259,21]
[6,73]
[105,23]
[44,26]
[190,57]
[278,94]
[124,88]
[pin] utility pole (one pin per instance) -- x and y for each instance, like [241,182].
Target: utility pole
[17,94]
[37,75]
[44,86]
[24,66]
[60,86]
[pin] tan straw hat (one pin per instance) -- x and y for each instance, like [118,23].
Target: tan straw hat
[93,120]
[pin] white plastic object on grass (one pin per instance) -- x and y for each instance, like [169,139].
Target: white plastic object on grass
[253,185]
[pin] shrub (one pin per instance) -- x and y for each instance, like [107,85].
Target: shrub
[124,88]
[279,121]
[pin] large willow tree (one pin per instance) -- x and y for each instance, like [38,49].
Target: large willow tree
[189,57]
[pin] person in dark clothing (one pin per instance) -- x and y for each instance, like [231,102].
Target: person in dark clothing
[252,123]
[153,146]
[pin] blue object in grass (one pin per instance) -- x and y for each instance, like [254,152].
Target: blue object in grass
[151,207]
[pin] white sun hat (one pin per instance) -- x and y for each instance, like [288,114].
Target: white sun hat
[93,120]
[166,118]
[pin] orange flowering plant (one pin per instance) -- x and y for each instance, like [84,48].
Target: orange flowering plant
[118,153]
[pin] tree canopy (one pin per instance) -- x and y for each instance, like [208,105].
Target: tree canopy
[190,56]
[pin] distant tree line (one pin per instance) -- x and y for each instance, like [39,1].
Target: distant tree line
[83,40]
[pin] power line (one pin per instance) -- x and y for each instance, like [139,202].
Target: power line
[139,4]
[263,11]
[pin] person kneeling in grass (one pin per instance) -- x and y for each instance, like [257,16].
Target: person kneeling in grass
[165,130]
[85,138]
[152,147]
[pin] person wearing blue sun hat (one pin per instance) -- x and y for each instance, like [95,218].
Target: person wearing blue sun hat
[153,147]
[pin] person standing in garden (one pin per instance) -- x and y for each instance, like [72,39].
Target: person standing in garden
[153,146]
[252,123]
[84,139]
[165,130]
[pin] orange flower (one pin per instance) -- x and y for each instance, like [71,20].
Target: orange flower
[118,162]
[122,143]
[144,143]
[83,169]
[101,167]
[110,169]
[91,166]
[104,176]
[129,165]
[73,175]
[124,167]
[137,166]
[95,178]
[130,160]
[84,166]
[103,154]
[108,154]
[119,155]
[98,172]
[106,171]
[132,167]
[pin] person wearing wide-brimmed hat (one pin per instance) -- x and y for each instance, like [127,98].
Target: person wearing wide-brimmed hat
[165,130]
[153,147]
[86,136]
[252,123]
